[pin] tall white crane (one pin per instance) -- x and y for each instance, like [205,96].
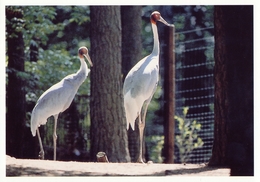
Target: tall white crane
[141,83]
[58,98]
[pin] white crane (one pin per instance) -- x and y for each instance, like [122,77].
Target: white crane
[141,83]
[58,98]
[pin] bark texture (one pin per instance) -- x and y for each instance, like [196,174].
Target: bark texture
[15,97]
[108,133]
[233,144]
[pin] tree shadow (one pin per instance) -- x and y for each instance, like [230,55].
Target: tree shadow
[18,170]
[204,169]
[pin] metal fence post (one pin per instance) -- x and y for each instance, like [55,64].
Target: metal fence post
[169,95]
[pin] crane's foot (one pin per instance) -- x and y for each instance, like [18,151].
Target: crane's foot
[140,160]
[41,155]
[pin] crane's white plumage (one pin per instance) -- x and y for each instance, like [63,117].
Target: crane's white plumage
[141,83]
[59,97]
[139,86]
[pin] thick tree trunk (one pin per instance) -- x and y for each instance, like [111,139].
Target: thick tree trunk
[108,133]
[219,156]
[233,144]
[131,54]
[15,97]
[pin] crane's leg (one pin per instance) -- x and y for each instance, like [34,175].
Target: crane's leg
[141,133]
[146,104]
[55,136]
[141,129]
[41,153]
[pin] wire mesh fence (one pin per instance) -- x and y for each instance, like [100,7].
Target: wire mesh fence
[195,87]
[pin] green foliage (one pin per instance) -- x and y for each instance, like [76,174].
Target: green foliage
[188,139]
[155,150]
[39,24]
[76,15]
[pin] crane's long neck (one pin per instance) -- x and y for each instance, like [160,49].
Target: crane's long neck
[156,44]
[83,66]
[82,72]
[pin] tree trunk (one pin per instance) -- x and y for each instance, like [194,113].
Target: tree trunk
[108,123]
[233,134]
[131,54]
[131,37]
[15,94]
[169,96]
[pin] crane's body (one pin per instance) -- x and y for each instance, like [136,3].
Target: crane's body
[58,98]
[140,84]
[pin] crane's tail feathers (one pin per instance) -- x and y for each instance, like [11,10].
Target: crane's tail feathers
[33,131]
[34,124]
[130,123]
[131,110]
[133,125]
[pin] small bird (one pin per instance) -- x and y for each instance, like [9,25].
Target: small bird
[141,82]
[58,98]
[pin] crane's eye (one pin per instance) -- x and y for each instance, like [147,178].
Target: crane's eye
[83,51]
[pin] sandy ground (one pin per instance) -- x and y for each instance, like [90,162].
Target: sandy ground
[27,167]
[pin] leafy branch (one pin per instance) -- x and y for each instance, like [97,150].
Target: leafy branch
[187,140]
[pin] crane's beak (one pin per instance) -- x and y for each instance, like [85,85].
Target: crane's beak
[164,22]
[88,58]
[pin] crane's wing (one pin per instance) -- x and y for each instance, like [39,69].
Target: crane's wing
[142,78]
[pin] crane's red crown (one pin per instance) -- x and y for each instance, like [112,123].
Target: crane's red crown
[155,16]
[82,51]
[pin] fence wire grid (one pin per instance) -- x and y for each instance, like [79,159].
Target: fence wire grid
[195,86]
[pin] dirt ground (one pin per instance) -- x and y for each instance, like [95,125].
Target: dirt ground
[28,167]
